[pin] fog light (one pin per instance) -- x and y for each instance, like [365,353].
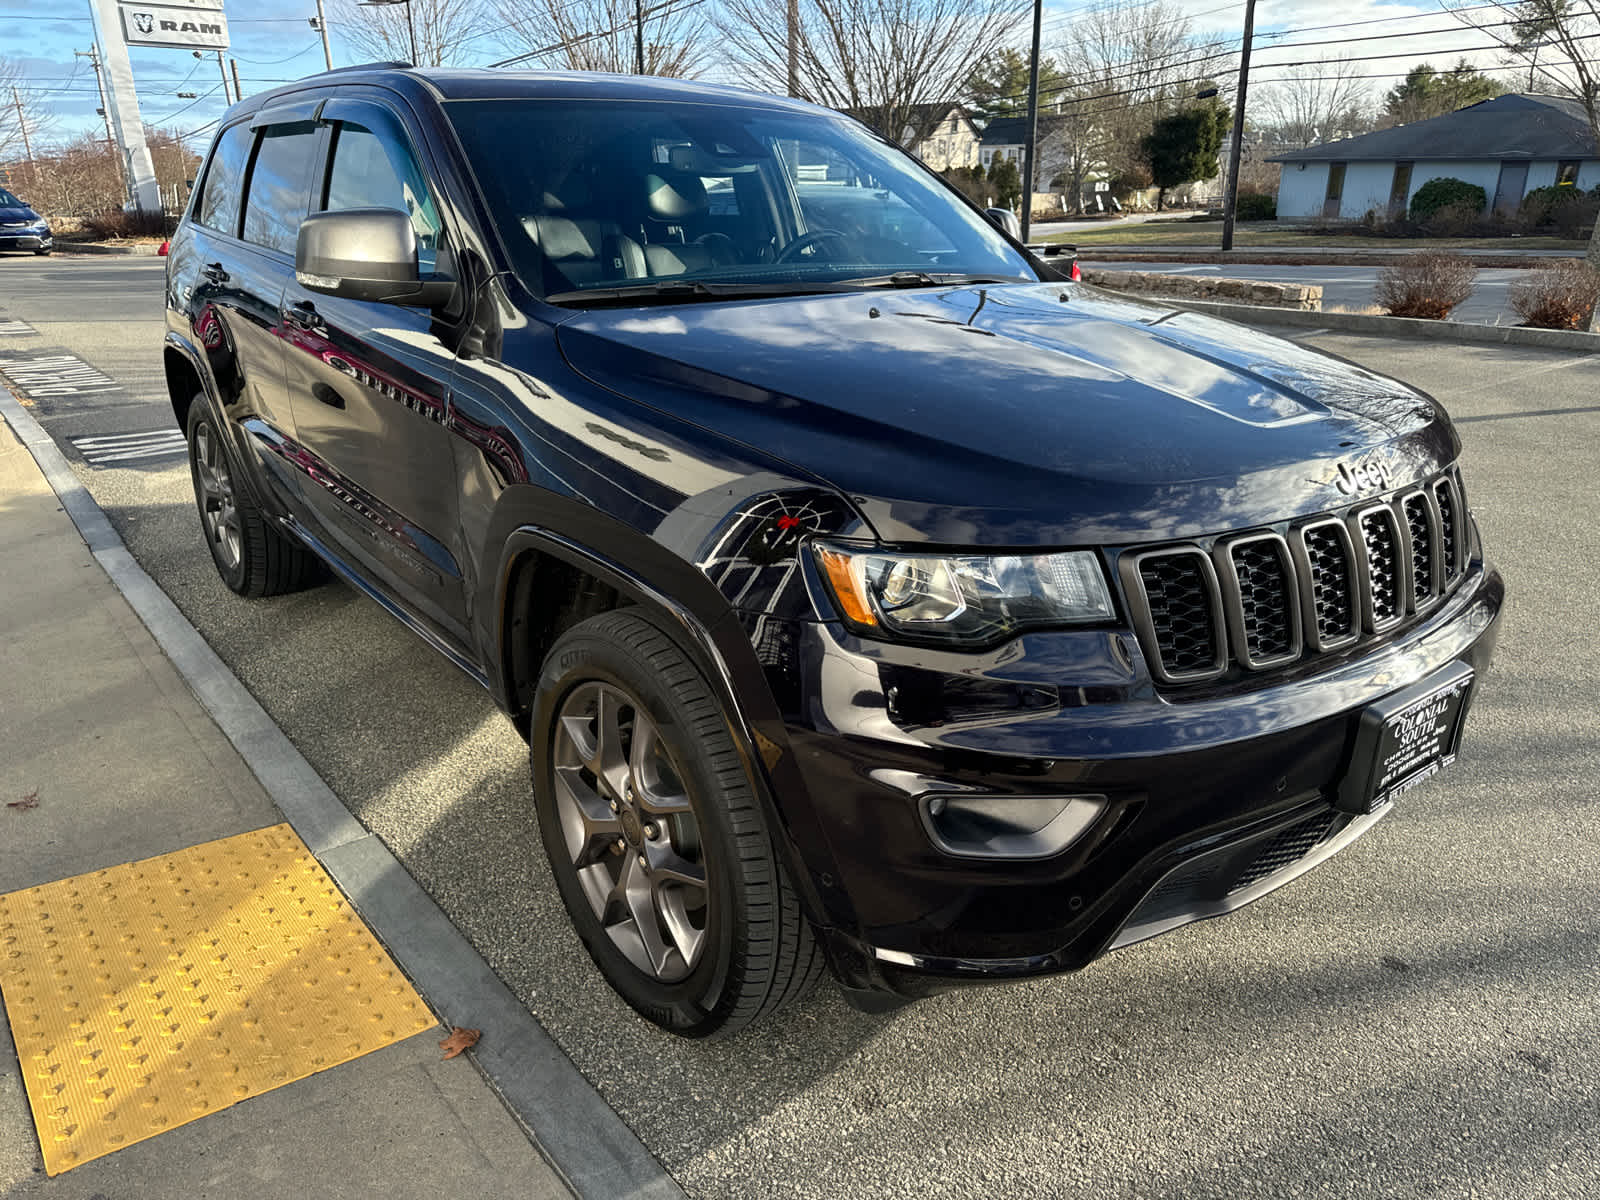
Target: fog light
[1008,826]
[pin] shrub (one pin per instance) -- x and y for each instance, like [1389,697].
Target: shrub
[1256,206]
[1446,192]
[115,223]
[1453,220]
[1564,210]
[1428,285]
[1559,296]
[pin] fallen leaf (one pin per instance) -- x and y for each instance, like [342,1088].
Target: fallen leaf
[459,1040]
[31,800]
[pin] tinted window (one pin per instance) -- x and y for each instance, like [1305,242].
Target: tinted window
[7,200]
[280,186]
[374,171]
[219,201]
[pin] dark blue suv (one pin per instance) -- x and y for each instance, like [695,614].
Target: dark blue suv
[869,594]
[21,228]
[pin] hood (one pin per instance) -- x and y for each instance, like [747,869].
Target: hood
[9,214]
[1021,415]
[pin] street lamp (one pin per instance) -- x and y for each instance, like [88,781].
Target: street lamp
[411,25]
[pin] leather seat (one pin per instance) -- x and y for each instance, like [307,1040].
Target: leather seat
[582,250]
[671,197]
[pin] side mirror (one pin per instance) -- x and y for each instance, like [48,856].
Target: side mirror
[365,254]
[1007,220]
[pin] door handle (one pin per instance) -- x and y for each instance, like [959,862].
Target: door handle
[305,316]
[214,273]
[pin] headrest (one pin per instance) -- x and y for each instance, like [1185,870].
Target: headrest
[675,196]
[562,239]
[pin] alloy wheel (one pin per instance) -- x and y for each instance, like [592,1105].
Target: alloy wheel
[218,512]
[630,830]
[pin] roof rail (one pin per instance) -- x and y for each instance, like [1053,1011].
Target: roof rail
[396,65]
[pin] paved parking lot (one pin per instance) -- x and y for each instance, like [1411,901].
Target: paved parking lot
[1418,1018]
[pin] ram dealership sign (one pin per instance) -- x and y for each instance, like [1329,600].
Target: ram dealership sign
[184,28]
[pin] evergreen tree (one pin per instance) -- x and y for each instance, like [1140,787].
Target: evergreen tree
[1185,147]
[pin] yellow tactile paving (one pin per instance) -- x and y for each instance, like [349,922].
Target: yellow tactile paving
[146,995]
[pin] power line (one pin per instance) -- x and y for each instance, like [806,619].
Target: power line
[667,6]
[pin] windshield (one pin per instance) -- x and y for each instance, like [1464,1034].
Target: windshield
[594,196]
[7,200]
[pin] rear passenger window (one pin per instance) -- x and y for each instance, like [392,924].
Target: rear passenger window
[280,186]
[219,200]
[372,171]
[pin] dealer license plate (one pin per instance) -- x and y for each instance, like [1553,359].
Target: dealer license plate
[1406,738]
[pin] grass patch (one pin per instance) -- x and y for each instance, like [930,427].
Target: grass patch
[1208,236]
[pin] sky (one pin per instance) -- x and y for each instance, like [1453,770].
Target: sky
[273,43]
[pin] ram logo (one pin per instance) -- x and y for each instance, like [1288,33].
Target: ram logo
[144,22]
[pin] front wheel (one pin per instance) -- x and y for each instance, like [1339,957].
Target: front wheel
[659,847]
[253,556]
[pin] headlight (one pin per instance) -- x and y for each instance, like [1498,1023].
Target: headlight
[963,599]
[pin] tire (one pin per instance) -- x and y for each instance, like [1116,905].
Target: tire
[253,556]
[42,253]
[671,790]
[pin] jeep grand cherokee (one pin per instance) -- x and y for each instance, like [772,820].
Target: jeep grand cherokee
[868,594]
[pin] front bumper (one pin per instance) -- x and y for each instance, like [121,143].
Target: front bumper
[1211,800]
[26,241]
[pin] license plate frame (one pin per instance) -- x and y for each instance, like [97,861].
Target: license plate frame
[1406,738]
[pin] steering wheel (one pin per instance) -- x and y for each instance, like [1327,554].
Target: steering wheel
[807,240]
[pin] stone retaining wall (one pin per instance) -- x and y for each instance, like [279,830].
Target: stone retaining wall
[1205,287]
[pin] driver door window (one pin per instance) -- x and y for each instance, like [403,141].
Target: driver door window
[373,171]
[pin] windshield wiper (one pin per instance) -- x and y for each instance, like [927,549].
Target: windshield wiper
[914,279]
[679,291]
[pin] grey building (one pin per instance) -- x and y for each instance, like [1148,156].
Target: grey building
[1507,146]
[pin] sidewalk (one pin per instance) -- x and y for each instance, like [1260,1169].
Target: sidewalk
[109,758]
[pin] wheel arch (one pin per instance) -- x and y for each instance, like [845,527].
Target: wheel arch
[546,583]
[185,377]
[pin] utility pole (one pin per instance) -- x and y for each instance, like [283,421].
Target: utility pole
[222,67]
[322,27]
[93,55]
[1230,199]
[794,48]
[22,123]
[1030,151]
[127,123]
[638,37]
[237,90]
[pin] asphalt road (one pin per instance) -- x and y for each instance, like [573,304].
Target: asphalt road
[1420,1017]
[1349,288]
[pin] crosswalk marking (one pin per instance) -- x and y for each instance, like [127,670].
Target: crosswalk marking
[107,449]
[10,328]
[45,375]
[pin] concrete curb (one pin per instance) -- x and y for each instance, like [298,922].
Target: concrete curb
[1403,327]
[577,1132]
[1288,256]
[135,251]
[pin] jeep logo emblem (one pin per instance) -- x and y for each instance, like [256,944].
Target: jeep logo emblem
[1354,480]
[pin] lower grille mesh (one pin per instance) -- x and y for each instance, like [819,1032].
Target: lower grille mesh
[1284,850]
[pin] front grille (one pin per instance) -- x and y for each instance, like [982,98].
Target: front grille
[1381,538]
[1266,600]
[1334,606]
[1444,494]
[1182,602]
[1285,849]
[1261,600]
[1419,524]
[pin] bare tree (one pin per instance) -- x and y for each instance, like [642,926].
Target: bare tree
[35,117]
[599,35]
[1558,41]
[445,29]
[878,59]
[1322,103]
[1130,62]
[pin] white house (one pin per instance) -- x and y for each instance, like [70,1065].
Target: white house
[1507,146]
